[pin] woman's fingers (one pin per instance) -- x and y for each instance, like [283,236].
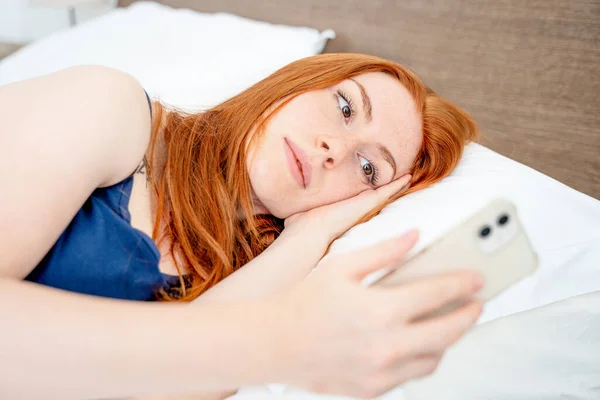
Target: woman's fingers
[397,374]
[427,295]
[438,333]
[326,223]
[342,215]
[415,368]
[373,258]
[386,191]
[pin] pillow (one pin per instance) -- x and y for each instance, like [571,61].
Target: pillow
[188,59]
[564,228]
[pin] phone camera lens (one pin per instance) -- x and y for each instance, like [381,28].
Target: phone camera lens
[485,231]
[503,220]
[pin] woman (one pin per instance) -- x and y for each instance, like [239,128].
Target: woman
[321,144]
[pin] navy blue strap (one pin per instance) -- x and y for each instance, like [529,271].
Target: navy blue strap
[149,103]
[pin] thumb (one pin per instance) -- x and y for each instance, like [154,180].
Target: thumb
[400,184]
[386,254]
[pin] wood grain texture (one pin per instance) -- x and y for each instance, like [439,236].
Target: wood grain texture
[529,71]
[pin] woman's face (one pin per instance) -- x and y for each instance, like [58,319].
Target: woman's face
[331,144]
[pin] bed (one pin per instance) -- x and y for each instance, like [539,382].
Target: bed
[527,70]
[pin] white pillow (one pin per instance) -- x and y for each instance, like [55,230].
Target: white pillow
[189,59]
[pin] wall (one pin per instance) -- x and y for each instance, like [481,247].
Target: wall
[22,21]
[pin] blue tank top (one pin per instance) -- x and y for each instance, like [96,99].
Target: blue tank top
[101,254]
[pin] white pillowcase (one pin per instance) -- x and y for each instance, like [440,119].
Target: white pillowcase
[189,59]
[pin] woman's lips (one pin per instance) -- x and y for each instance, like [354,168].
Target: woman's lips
[298,163]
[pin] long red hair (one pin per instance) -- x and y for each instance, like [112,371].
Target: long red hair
[197,164]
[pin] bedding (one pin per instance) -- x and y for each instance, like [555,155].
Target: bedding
[182,57]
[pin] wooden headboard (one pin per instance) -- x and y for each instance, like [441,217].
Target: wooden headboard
[528,71]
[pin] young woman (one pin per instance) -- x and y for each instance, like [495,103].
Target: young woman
[105,197]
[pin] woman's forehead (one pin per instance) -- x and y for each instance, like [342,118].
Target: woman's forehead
[395,119]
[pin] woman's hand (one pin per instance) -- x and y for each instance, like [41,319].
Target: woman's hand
[317,228]
[307,235]
[338,336]
[301,245]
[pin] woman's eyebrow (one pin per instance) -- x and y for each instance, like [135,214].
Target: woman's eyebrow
[387,156]
[366,101]
[368,110]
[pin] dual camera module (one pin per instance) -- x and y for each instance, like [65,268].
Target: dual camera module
[486,230]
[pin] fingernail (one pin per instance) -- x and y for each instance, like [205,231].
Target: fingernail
[477,283]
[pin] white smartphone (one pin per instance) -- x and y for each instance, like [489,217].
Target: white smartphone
[491,242]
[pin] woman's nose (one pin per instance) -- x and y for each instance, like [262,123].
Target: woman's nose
[334,150]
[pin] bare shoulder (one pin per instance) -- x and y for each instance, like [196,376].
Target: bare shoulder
[101,106]
[62,136]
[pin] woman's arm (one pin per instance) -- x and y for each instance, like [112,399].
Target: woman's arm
[329,333]
[76,346]
[277,269]
[62,135]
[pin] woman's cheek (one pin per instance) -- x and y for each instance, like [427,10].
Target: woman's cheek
[340,188]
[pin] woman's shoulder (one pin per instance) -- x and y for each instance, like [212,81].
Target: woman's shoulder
[67,133]
[121,99]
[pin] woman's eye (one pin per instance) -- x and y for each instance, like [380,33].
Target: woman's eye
[345,106]
[366,166]
[369,170]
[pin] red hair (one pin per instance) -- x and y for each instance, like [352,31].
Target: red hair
[197,164]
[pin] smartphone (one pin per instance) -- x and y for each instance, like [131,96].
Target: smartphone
[491,242]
